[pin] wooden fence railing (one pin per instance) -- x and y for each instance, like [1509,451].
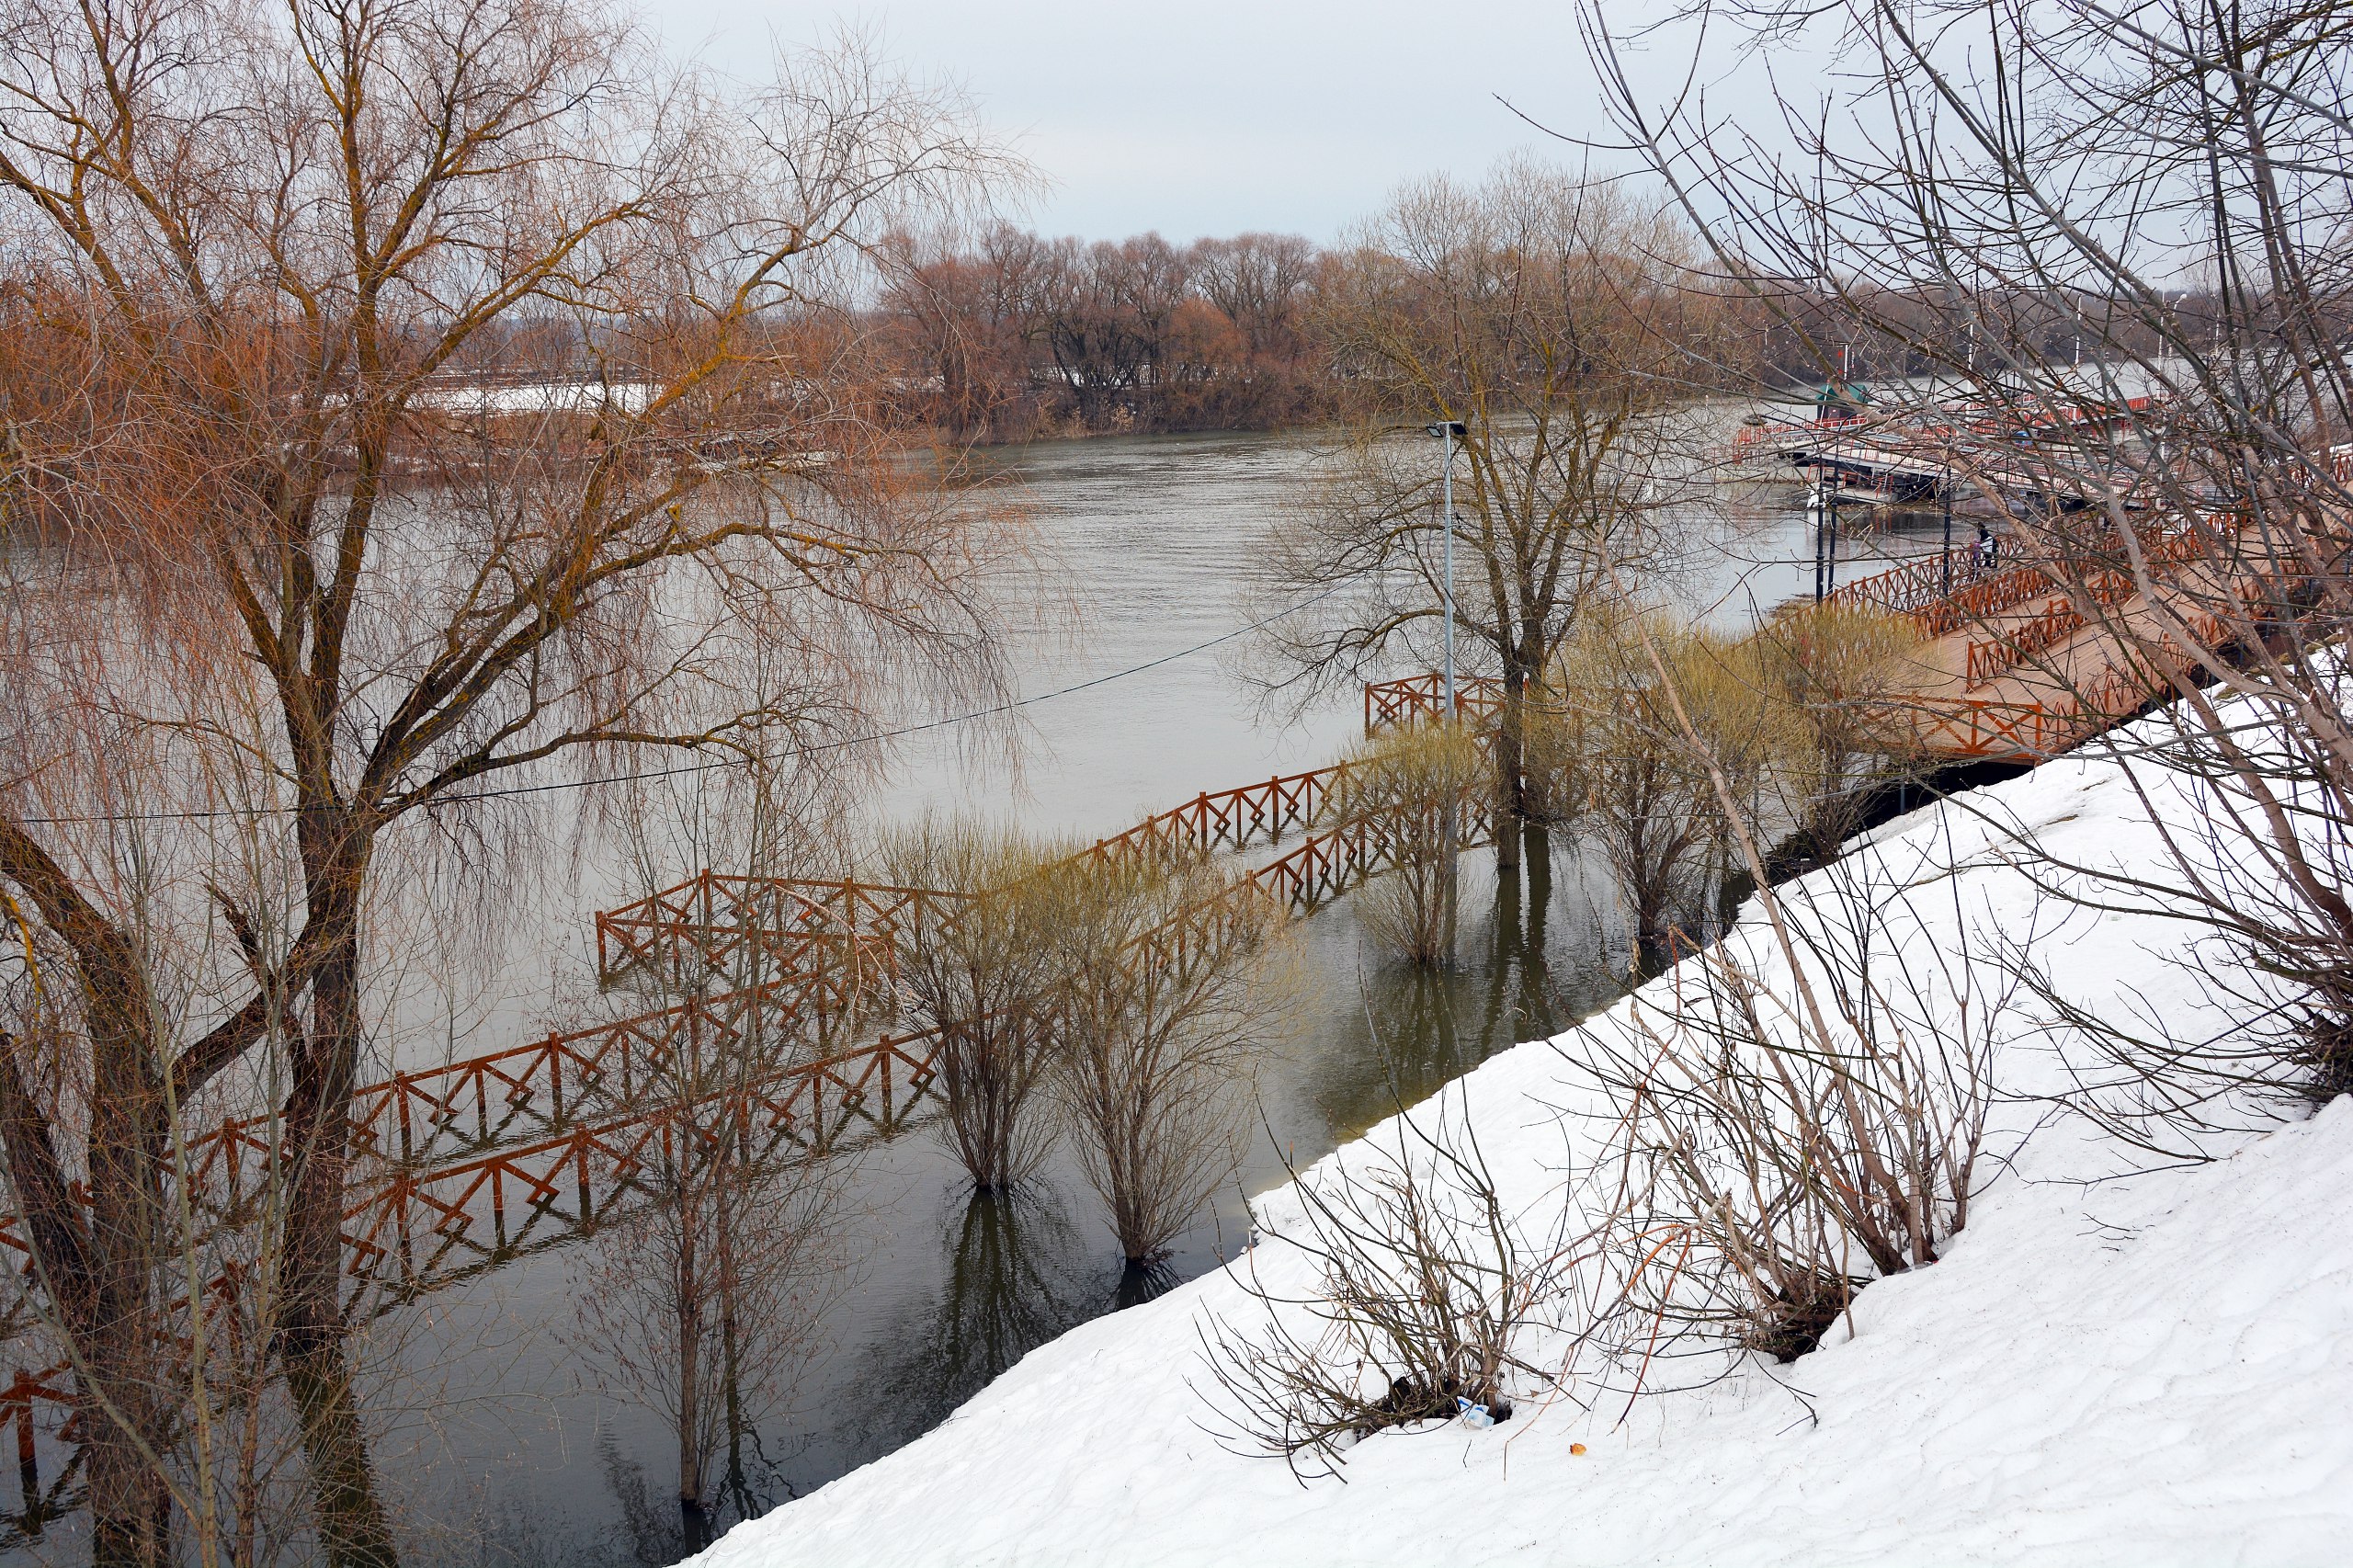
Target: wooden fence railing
[415,1226]
[411,1230]
[1321,866]
[1991,658]
[782,924]
[1916,588]
[1943,593]
[1414,699]
[447,1148]
[1233,819]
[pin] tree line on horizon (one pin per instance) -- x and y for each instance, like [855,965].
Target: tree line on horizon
[1011,336]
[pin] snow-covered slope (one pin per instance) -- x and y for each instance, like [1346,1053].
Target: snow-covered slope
[2148,1371]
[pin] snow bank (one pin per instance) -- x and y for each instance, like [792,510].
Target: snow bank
[2146,1370]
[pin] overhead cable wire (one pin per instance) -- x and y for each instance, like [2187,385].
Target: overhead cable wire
[688,769]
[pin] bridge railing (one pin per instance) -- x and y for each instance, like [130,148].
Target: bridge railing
[848,930]
[1944,593]
[1233,818]
[1414,699]
[1321,866]
[413,1229]
[783,924]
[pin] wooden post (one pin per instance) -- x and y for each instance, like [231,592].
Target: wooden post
[1945,489]
[1816,506]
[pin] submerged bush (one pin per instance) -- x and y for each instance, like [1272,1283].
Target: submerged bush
[986,981]
[1418,795]
[1162,1015]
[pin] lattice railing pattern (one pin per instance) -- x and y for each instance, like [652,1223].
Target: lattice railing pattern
[1416,700]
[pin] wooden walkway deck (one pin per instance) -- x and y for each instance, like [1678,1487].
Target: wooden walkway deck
[2010,668]
[2007,669]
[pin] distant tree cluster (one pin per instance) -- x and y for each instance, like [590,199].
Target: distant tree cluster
[1015,335]
[1012,335]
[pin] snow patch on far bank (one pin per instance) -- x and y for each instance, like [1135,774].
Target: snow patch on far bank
[2149,1371]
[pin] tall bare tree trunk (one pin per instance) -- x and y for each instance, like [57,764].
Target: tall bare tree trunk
[352,1524]
[1511,768]
[691,1292]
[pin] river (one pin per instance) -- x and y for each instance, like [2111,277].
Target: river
[501,1436]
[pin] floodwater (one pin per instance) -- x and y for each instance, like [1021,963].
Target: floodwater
[503,1433]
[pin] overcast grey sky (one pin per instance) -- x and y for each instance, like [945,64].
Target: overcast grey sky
[1212,116]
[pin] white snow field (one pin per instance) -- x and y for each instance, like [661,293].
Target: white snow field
[2152,1370]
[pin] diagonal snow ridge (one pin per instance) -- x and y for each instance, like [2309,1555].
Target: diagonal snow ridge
[2110,1366]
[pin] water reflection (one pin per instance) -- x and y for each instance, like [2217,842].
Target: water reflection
[1142,1282]
[951,1293]
[1534,959]
[1017,1276]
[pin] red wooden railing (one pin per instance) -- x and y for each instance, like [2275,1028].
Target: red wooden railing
[1415,699]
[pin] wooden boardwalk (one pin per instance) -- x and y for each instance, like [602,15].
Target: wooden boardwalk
[2011,669]
[463,1168]
[2007,667]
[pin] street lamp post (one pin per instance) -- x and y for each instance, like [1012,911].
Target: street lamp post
[1446,430]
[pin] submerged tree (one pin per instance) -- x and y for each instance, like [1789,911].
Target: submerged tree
[1558,321]
[1627,774]
[1161,1017]
[1415,793]
[987,982]
[1840,673]
[704,1300]
[411,398]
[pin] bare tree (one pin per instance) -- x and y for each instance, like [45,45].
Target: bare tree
[702,1300]
[963,320]
[1782,1168]
[1624,773]
[461,383]
[1552,316]
[701,1297]
[1837,671]
[2113,236]
[987,981]
[1161,1015]
[1421,1281]
[1415,792]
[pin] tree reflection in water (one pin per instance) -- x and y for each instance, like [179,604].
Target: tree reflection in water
[1019,1275]
[1142,1282]
[1420,1027]
[1019,1270]
[653,1529]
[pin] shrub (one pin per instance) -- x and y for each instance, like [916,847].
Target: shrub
[1424,1282]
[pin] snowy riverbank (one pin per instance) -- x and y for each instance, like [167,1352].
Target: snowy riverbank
[2147,1369]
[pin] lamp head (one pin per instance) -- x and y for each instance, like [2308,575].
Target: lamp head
[1454,428]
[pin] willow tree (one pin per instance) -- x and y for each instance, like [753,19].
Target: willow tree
[405,400]
[1555,319]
